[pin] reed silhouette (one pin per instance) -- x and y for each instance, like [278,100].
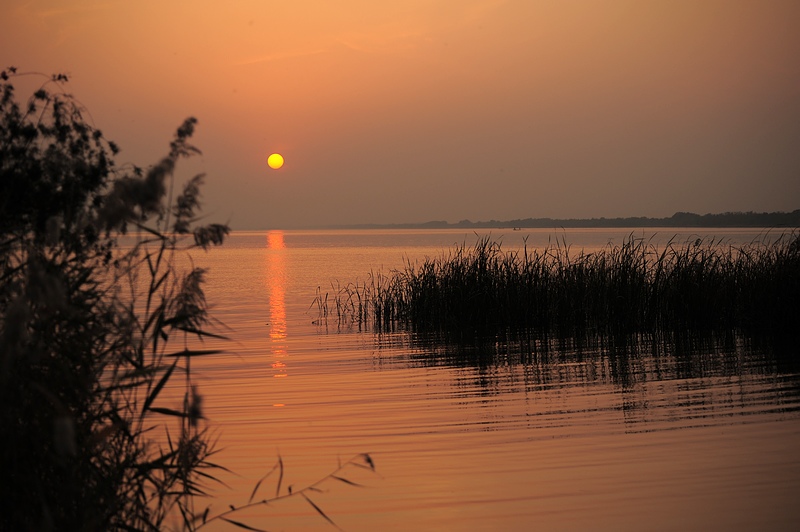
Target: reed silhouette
[635,287]
[92,332]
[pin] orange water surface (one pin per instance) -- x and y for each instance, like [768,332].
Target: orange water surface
[692,437]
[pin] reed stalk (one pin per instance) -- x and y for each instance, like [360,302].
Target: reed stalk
[636,287]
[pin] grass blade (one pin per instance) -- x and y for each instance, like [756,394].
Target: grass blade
[168,411]
[199,332]
[242,525]
[280,477]
[195,353]
[319,510]
[346,481]
[158,387]
[252,495]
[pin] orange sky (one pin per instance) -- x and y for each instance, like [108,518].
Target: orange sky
[440,110]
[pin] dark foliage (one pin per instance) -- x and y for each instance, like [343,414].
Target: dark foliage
[88,329]
[700,286]
[86,326]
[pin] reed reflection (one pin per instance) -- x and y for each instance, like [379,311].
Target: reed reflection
[276,294]
[654,382]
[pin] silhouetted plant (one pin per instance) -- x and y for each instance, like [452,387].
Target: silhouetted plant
[361,461]
[627,289]
[90,326]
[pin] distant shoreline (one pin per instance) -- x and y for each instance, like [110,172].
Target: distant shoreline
[679,219]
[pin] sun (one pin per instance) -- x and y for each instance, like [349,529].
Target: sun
[275,161]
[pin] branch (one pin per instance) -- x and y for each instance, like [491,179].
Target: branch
[362,460]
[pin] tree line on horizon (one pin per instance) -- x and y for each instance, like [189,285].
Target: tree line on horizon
[679,219]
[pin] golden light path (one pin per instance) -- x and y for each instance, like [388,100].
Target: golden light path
[276,292]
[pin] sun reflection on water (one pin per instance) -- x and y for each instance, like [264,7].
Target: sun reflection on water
[276,293]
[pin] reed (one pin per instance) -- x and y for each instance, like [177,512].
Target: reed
[94,335]
[88,328]
[635,287]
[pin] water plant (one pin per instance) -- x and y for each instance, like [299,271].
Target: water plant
[636,287]
[94,334]
[88,330]
[362,461]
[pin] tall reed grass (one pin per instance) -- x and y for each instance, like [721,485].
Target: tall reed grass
[636,287]
[92,332]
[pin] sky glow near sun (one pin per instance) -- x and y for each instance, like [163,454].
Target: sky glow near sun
[616,108]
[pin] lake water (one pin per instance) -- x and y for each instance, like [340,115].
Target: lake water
[693,435]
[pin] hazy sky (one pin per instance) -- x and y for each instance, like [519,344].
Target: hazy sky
[409,111]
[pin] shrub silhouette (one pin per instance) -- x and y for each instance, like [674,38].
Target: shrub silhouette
[89,328]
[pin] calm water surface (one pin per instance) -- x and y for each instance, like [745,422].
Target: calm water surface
[692,435]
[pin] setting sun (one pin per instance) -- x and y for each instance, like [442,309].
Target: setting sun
[275,161]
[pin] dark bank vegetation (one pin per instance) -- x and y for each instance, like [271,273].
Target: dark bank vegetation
[94,335]
[697,286]
[679,219]
[91,334]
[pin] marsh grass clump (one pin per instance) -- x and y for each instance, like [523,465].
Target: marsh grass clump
[635,287]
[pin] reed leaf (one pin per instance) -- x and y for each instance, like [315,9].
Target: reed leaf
[262,479]
[280,476]
[319,510]
[239,524]
[157,388]
[483,291]
[347,481]
[195,353]
[169,412]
